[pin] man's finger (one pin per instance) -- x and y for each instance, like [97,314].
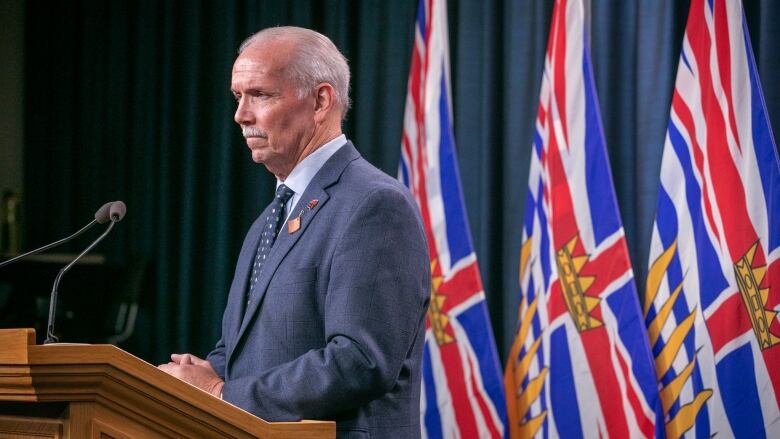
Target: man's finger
[182,358]
[199,361]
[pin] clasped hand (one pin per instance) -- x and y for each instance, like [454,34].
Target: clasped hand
[195,371]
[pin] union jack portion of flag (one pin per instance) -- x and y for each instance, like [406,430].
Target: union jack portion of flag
[462,394]
[580,365]
[713,288]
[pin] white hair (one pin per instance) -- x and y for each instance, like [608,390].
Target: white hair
[315,60]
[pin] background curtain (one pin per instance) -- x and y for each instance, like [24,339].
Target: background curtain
[130,100]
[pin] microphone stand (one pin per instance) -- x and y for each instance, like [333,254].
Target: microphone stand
[50,337]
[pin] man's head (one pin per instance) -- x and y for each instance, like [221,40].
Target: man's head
[292,89]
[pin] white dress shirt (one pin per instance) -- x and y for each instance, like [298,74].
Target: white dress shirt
[304,172]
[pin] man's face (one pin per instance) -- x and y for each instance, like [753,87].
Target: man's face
[276,123]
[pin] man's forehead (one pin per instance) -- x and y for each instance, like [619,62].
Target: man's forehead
[252,71]
[264,56]
[248,64]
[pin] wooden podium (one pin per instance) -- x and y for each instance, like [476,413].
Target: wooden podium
[101,391]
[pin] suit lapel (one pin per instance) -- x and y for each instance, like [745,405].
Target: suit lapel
[327,176]
[237,295]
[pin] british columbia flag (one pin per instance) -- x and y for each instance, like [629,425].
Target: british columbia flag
[713,288]
[580,364]
[462,394]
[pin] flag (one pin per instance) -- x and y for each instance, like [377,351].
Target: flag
[580,364]
[462,393]
[713,287]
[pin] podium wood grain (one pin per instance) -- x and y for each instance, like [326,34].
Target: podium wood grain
[106,392]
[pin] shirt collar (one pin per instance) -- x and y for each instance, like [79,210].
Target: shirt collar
[304,172]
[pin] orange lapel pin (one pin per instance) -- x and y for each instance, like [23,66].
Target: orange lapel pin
[294,225]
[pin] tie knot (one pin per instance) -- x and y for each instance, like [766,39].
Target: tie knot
[283,193]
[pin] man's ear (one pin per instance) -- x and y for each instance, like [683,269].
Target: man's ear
[325,101]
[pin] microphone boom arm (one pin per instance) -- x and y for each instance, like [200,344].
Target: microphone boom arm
[53,244]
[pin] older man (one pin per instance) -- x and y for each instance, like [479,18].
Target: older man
[325,316]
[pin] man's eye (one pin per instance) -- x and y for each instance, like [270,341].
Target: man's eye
[237,97]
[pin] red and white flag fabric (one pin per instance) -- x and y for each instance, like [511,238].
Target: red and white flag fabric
[462,393]
[713,288]
[580,365]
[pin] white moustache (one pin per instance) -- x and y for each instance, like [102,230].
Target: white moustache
[253,132]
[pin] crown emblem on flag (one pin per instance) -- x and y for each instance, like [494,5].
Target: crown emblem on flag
[749,279]
[575,286]
[439,320]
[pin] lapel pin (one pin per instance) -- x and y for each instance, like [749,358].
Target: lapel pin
[294,224]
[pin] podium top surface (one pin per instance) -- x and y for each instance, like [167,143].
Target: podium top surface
[64,372]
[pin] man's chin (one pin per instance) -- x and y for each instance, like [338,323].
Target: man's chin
[256,149]
[258,156]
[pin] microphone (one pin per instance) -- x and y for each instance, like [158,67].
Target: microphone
[115,212]
[102,216]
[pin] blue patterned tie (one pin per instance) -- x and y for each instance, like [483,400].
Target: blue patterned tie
[268,237]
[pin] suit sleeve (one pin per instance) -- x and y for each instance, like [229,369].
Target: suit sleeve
[377,297]
[217,359]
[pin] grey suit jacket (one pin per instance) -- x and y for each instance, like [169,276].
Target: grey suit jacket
[338,331]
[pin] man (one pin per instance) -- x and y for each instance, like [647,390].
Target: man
[325,316]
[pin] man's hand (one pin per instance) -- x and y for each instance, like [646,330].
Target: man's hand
[195,371]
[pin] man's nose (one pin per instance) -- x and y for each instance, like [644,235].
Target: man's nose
[243,116]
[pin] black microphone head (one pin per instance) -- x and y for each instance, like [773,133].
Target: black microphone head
[103,214]
[117,211]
